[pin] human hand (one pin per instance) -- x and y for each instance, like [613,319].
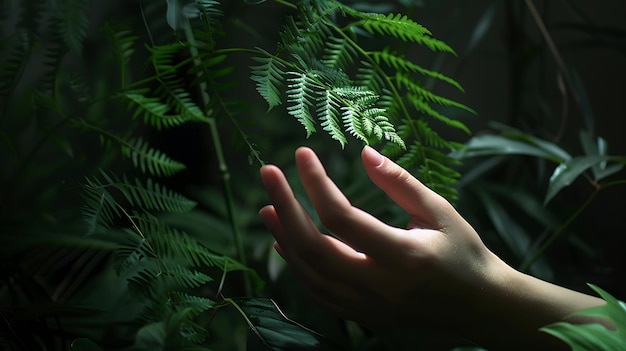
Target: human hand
[370,272]
[435,273]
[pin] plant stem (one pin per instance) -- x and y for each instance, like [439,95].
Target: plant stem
[223,167]
[535,256]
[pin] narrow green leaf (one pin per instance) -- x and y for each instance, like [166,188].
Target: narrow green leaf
[490,145]
[272,330]
[566,172]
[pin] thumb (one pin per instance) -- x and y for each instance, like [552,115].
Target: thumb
[410,194]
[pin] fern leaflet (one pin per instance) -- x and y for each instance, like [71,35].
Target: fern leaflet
[268,77]
[300,94]
[154,111]
[327,111]
[149,160]
[403,28]
[400,63]
[73,23]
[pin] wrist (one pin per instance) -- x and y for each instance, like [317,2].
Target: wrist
[510,307]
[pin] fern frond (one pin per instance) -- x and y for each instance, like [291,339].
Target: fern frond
[133,249]
[300,94]
[30,19]
[154,111]
[54,52]
[417,91]
[269,76]
[195,304]
[322,8]
[123,46]
[154,197]
[367,76]
[175,95]
[149,160]
[164,57]
[303,39]
[403,28]
[12,69]
[328,113]
[73,21]
[209,9]
[363,119]
[148,197]
[173,244]
[80,88]
[158,279]
[425,108]
[100,208]
[338,52]
[400,63]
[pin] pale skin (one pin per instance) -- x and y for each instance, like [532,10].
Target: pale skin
[435,273]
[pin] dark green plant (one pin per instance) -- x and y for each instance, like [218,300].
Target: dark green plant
[101,248]
[156,285]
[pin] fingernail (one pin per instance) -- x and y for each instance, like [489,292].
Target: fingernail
[372,156]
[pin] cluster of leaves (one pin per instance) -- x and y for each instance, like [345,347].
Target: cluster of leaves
[166,278]
[324,75]
[155,285]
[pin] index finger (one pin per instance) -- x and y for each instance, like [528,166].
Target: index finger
[362,231]
[296,233]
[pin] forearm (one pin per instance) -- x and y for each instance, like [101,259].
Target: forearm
[511,307]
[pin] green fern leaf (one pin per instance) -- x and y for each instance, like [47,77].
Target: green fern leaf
[123,46]
[425,108]
[148,197]
[132,250]
[403,79]
[367,76]
[363,119]
[30,20]
[328,114]
[54,52]
[100,209]
[209,9]
[164,57]
[305,39]
[300,95]
[172,243]
[403,28]
[175,95]
[195,304]
[79,88]
[338,52]
[400,63]
[269,76]
[155,112]
[12,69]
[158,279]
[149,160]
[73,19]
[154,197]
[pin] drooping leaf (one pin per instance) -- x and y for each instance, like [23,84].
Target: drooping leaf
[273,331]
[566,172]
[490,145]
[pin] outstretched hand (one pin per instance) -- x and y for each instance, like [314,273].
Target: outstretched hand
[436,272]
[365,262]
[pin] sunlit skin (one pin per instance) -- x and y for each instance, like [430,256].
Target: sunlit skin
[435,273]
